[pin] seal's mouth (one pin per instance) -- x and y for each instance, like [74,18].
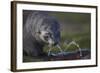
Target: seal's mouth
[52,44]
[55,44]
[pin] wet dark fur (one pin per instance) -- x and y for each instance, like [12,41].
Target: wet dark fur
[33,22]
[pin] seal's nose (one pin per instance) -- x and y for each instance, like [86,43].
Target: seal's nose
[55,43]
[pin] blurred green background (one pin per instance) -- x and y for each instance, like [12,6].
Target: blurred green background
[74,27]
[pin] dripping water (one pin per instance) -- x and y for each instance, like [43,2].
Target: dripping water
[58,46]
[68,45]
[77,45]
[61,51]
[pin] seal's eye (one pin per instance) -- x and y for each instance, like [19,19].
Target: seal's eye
[46,38]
